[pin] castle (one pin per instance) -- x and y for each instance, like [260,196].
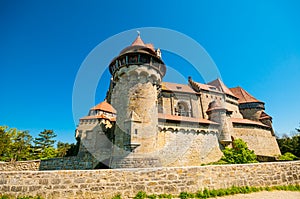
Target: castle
[145,122]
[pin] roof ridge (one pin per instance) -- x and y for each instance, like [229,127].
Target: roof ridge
[104,106]
[219,83]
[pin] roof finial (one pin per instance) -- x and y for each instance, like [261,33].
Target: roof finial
[138,32]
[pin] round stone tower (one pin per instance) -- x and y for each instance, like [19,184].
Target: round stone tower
[218,113]
[136,76]
[250,107]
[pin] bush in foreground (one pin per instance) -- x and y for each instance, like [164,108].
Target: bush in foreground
[239,153]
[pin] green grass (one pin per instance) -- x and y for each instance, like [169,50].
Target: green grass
[20,197]
[118,196]
[201,194]
[207,193]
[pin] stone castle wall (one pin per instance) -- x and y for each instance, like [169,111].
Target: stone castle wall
[251,113]
[260,140]
[187,147]
[69,163]
[33,165]
[64,163]
[172,180]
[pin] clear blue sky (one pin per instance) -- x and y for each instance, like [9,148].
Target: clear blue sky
[255,44]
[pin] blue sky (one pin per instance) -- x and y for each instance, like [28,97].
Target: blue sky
[255,44]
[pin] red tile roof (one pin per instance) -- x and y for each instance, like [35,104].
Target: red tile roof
[185,119]
[138,41]
[221,86]
[94,117]
[246,121]
[150,46]
[98,117]
[264,115]
[199,86]
[243,95]
[104,106]
[177,87]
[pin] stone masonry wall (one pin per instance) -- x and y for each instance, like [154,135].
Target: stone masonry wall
[20,166]
[69,163]
[173,180]
[260,140]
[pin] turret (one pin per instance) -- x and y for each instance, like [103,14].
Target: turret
[249,106]
[219,114]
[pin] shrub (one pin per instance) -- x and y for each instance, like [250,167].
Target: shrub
[152,196]
[141,195]
[118,196]
[185,195]
[239,153]
[169,196]
[287,156]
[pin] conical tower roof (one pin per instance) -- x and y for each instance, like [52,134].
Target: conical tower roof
[138,41]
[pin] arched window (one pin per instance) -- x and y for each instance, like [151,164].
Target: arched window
[182,109]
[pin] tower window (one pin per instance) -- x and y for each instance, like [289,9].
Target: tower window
[182,109]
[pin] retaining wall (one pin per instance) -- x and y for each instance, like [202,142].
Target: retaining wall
[32,165]
[173,180]
[69,163]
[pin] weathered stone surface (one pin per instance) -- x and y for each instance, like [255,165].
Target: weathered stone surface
[20,166]
[127,182]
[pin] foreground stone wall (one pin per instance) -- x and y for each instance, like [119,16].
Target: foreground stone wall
[20,166]
[173,180]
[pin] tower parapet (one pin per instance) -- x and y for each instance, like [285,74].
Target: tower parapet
[138,53]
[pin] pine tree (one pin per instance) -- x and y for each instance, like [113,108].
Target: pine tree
[62,149]
[20,148]
[44,144]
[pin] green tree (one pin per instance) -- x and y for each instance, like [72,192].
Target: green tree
[74,148]
[290,144]
[44,144]
[239,153]
[20,145]
[48,152]
[62,149]
[15,145]
[5,143]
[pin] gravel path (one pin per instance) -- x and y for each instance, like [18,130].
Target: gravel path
[266,195]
